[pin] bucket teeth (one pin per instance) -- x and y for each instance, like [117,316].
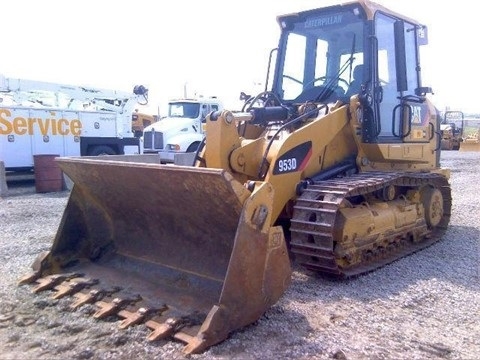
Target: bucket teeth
[49,282]
[73,286]
[108,308]
[92,296]
[139,316]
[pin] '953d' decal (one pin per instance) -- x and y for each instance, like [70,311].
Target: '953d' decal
[294,160]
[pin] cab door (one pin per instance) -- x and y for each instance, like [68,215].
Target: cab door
[403,115]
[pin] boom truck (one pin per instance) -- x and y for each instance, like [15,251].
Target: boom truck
[335,167]
[38,117]
[182,130]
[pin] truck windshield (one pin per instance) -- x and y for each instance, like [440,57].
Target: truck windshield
[453,117]
[184,109]
[319,50]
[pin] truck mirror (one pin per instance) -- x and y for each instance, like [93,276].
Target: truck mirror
[204,111]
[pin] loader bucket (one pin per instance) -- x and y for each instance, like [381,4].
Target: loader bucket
[187,251]
[470,145]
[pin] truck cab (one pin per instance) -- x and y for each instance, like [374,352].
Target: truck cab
[182,130]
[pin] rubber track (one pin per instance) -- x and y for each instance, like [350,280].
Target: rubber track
[319,256]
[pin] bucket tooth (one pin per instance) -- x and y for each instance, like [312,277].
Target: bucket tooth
[49,282]
[108,308]
[195,345]
[168,325]
[184,337]
[30,278]
[73,286]
[136,317]
[162,330]
[37,267]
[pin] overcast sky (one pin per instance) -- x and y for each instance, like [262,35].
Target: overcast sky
[209,47]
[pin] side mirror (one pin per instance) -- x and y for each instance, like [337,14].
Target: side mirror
[244,97]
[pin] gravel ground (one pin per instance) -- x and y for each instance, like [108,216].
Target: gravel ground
[425,306]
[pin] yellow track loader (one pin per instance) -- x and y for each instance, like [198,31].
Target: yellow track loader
[471,135]
[335,166]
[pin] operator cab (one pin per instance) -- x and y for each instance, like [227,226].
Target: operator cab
[329,55]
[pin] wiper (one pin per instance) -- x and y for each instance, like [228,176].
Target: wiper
[351,57]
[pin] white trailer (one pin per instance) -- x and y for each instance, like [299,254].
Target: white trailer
[39,117]
[182,130]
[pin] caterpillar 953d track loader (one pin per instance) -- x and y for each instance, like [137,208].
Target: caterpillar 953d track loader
[335,167]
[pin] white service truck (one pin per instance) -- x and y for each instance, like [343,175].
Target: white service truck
[39,117]
[182,130]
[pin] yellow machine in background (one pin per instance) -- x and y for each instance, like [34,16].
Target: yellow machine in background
[336,167]
[451,129]
[471,135]
[140,121]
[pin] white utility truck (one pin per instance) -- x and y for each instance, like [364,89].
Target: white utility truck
[39,117]
[182,130]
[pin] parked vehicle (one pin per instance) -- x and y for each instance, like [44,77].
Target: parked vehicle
[182,130]
[471,135]
[451,129]
[39,117]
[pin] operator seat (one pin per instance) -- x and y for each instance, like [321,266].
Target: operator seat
[356,83]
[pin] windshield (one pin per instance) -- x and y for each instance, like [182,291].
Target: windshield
[184,109]
[453,117]
[320,51]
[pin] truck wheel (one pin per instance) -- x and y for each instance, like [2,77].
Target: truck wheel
[193,147]
[101,150]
